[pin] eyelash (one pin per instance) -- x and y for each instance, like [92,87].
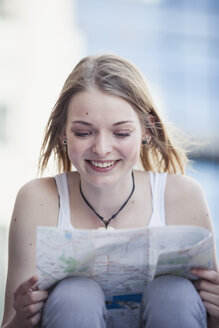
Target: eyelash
[82,134]
[122,135]
[87,134]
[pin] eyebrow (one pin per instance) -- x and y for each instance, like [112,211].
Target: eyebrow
[122,122]
[82,122]
[89,124]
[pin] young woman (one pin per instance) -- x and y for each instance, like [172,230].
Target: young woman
[102,124]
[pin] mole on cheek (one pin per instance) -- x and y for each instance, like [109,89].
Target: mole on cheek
[86,113]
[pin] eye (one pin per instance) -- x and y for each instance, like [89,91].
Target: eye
[122,134]
[82,134]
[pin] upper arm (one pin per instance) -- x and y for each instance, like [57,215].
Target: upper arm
[36,204]
[186,204]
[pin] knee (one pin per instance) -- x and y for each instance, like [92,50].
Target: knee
[78,299]
[171,289]
[76,291]
[173,300]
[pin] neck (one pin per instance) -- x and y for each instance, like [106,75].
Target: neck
[107,200]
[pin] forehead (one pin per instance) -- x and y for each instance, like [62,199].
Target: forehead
[97,104]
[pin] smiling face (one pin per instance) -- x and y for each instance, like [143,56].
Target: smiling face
[104,137]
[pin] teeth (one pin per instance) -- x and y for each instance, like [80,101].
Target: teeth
[106,164]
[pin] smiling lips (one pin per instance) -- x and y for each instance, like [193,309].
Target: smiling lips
[102,164]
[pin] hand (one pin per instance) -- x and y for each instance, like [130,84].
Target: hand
[28,303]
[208,289]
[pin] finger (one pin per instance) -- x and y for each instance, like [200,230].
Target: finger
[209,297]
[210,275]
[34,297]
[34,287]
[32,309]
[25,286]
[34,320]
[211,309]
[206,285]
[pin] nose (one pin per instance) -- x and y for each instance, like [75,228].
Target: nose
[102,145]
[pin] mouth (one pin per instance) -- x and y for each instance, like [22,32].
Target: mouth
[103,164]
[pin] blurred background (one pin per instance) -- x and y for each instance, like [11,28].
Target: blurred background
[174,43]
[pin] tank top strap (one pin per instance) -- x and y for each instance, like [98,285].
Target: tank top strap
[64,220]
[158,183]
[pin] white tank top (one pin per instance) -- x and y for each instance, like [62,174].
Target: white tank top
[158,183]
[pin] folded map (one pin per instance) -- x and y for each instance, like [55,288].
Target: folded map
[121,261]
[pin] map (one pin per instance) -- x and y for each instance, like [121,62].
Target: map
[123,261]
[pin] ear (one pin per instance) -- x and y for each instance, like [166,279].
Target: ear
[62,137]
[151,119]
[146,135]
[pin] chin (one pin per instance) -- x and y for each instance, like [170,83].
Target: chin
[102,182]
[108,180]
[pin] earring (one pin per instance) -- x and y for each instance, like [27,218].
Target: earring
[65,141]
[146,141]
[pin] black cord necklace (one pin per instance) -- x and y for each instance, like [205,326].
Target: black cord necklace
[107,222]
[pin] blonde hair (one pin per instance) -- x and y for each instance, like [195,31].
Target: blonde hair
[114,75]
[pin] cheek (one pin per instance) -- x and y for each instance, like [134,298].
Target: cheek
[75,150]
[132,148]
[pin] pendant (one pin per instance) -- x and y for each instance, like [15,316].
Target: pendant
[106,222]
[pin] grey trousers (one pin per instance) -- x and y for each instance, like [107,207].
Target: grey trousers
[168,302]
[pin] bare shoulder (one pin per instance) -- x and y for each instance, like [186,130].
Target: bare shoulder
[186,202]
[39,198]
[38,188]
[182,185]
